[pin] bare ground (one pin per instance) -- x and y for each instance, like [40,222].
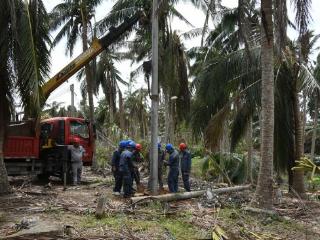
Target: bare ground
[73,209]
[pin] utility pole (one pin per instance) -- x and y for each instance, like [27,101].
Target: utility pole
[72,100]
[154,101]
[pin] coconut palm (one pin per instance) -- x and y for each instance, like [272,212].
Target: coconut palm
[74,19]
[172,59]
[25,62]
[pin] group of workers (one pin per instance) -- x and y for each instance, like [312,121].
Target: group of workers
[126,158]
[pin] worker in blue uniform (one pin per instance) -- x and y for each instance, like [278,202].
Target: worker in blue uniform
[173,164]
[115,168]
[126,168]
[185,163]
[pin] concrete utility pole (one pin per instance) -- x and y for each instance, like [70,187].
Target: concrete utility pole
[72,100]
[155,101]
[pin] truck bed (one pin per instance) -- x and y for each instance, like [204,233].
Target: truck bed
[17,147]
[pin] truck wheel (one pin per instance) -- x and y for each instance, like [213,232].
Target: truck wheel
[43,177]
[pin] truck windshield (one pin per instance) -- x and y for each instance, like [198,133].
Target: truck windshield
[79,129]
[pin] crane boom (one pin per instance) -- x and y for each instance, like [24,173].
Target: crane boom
[97,46]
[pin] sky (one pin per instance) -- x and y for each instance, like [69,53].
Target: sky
[59,59]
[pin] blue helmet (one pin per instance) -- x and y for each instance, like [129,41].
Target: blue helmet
[159,145]
[122,144]
[169,147]
[131,144]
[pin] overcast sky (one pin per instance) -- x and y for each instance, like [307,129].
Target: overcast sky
[196,17]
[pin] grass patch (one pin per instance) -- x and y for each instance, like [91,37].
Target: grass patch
[179,228]
[196,168]
[2,218]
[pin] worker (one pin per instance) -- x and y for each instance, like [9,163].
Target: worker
[125,168]
[173,164]
[136,159]
[115,168]
[77,152]
[161,156]
[185,163]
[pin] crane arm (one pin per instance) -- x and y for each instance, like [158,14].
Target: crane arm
[98,45]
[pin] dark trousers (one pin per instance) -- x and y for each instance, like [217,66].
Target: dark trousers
[117,181]
[160,177]
[127,184]
[136,176]
[173,178]
[186,182]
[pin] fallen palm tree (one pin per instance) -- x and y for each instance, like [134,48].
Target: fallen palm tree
[186,195]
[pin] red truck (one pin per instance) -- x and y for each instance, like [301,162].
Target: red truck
[43,151]
[42,147]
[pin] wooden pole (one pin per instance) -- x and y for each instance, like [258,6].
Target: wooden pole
[154,101]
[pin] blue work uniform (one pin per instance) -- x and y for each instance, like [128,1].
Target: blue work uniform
[125,168]
[161,157]
[173,175]
[185,158]
[115,170]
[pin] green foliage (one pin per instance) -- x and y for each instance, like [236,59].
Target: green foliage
[229,166]
[103,156]
[25,58]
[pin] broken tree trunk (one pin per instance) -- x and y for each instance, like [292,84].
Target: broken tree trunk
[101,206]
[186,195]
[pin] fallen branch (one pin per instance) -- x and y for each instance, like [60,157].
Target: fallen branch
[186,195]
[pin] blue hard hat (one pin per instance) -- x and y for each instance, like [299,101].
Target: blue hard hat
[131,144]
[159,145]
[122,144]
[169,147]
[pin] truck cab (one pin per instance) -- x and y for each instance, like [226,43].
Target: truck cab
[61,131]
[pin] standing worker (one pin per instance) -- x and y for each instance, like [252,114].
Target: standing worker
[77,152]
[136,159]
[126,167]
[115,168]
[185,158]
[173,164]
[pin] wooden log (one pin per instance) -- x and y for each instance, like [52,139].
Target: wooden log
[260,211]
[102,202]
[186,195]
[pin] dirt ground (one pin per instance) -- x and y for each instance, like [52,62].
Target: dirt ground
[33,202]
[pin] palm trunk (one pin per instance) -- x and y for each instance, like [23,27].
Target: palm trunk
[121,113]
[263,195]
[4,117]
[315,125]
[304,120]
[88,72]
[298,175]
[250,152]
[4,183]
[167,118]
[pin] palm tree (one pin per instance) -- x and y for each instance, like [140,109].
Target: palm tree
[74,18]
[173,70]
[24,38]
[52,109]
[316,109]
